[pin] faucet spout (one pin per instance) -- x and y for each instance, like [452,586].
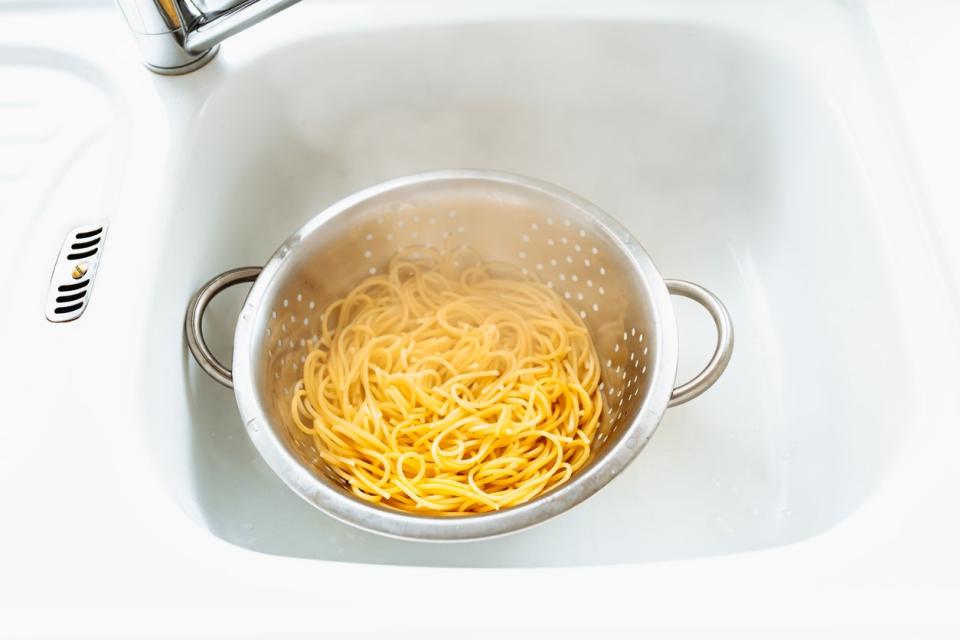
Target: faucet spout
[179,36]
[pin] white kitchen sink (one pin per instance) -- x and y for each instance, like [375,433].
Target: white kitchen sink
[731,168]
[752,147]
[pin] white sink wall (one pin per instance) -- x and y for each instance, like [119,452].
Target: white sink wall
[730,166]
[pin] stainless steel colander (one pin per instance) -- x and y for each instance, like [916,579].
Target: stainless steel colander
[568,243]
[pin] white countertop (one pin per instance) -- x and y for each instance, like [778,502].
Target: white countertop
[94,544]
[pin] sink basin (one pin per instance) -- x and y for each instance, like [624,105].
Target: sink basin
[731,166]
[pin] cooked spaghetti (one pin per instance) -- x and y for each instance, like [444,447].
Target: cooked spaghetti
[448,385]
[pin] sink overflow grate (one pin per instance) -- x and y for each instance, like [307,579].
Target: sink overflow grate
[73,274]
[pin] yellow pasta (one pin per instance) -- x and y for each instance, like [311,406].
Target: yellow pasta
[448,386]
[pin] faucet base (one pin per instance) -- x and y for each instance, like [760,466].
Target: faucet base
[199,61]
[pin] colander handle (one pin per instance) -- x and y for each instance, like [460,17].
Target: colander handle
[193,322]
[721,355]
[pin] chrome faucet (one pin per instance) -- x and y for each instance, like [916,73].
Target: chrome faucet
[179,36]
